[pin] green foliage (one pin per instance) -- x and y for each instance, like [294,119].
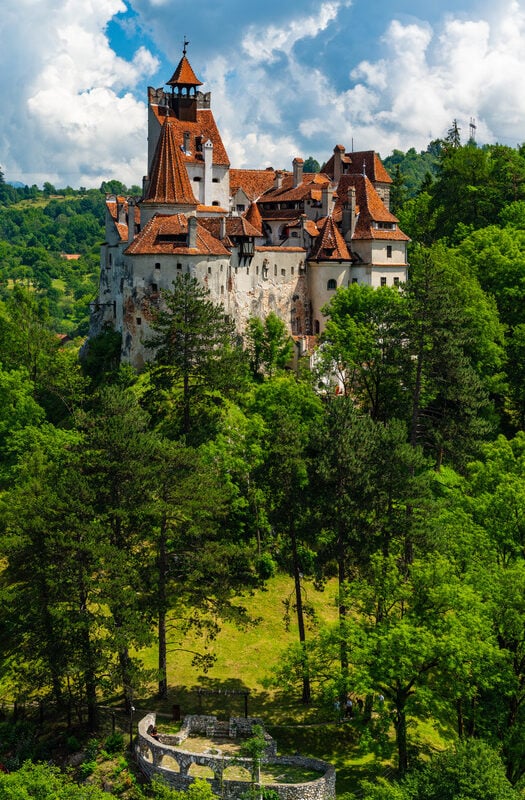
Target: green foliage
[269,346]
[195,348]
[472,771]
[114,743]
[42,781]
[311,165]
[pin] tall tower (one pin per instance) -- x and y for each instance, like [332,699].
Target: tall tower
[184,84]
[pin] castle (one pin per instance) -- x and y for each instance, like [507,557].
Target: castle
[259,240]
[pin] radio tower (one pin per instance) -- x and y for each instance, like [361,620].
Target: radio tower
[472,127]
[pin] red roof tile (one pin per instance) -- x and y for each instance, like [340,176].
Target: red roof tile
[167,234]
[169,181]
[184,75]
[200,131]
[355,162]
[370,209]
[330,245]
[253,182]
[311,185]
[253,215]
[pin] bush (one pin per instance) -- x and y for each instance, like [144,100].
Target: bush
[114,743]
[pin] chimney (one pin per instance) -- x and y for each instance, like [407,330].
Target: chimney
[348,221]
[131,220]
[278,182]
[121,212]
[298,165]
[338,161]
[192,232]
[222,229]
[325,202]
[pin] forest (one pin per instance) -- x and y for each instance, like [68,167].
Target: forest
[141,512]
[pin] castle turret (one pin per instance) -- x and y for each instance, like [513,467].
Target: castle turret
[184,85]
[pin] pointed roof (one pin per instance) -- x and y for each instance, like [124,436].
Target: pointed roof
[253,216]
[330,245]
[374,221]
[169,181]
[184,75]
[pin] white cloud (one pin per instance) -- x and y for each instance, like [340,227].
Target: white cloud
[284,83]
[71,116]
[263,43]
[266,97]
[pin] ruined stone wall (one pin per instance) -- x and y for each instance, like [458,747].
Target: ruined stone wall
[167,758]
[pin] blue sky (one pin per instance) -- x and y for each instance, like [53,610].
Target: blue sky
[288,79]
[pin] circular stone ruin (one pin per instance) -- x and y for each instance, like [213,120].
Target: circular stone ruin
[208,748]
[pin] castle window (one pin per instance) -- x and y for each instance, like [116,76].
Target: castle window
[293,270]
[157,265]
[179,266]
[275,269]
[396,281]
[389,251]
[209,270]
[256,270]
[222,289]
[215,203]
[283,273]
[295,235]
[154,288]
[354,280]
[383,280]
[241,207]
[197,178]
[316,326]
[110,259]
[215,180]
[332,284]
[139,321]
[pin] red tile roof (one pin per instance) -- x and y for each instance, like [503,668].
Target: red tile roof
[354,163]
[184,75]
[167,234]
[169,181]
[235,226]
[330,245]
[311,186]
[253,182]
[112,204]
[200,131]
[369,208]
[253,215]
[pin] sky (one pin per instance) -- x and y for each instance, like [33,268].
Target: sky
[288,78]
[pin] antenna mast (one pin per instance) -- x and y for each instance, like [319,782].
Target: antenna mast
[472,127]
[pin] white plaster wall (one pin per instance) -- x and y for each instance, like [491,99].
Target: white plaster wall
[320,295]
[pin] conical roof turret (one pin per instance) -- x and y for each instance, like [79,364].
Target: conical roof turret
[169,182]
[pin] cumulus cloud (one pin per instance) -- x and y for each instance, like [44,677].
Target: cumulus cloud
[285,80]
[71,116]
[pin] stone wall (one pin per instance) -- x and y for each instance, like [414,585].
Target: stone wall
[166,757]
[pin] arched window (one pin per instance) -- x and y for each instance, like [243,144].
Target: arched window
[332,284]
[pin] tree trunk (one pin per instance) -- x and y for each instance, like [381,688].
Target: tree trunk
[401,732]
[306,694]
[162,605]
